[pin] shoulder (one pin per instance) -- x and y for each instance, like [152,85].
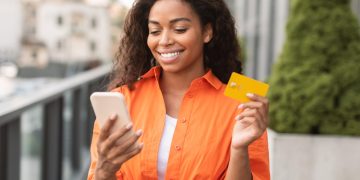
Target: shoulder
[141,87]
[213,101]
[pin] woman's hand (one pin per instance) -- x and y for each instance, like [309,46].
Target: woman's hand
[251,122]
[115,148]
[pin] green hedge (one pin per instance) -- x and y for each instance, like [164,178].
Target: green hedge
[315,85]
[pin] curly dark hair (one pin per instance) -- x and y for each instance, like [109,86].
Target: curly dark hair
[134,58]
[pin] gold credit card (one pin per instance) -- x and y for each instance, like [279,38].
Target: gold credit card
[239,85]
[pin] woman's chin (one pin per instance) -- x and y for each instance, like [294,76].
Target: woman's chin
[168,61]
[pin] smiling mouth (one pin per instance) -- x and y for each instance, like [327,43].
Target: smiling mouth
[170,55]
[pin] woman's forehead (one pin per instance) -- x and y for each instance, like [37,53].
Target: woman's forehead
[171,9]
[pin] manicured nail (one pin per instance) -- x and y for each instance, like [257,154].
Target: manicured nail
[113,117]
[250,95]
[139,132]
[129,126]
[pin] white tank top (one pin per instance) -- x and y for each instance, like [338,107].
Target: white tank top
[164,148]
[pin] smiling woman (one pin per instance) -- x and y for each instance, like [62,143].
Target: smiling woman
[176,38]
[221,54]
[172,66]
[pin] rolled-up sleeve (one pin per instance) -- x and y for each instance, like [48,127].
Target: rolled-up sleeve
[259,158]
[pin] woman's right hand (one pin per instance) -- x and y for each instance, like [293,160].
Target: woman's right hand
[115,148]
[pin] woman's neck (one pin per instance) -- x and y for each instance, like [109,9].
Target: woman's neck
[178,82]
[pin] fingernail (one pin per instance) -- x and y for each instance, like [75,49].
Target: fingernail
[129,126]
[141,145]
[113,117]
[241,106]
[139,132]
[250,95]
[237,117]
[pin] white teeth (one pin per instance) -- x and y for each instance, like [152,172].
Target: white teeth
[169,55]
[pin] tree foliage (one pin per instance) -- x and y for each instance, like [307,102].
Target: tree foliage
[315,85]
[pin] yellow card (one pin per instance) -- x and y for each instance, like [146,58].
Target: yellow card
[239,85]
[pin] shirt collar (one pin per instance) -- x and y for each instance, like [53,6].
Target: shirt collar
[209,76]
[212,80]
[153,72]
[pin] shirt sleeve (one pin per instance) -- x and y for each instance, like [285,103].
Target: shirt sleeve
[259,158]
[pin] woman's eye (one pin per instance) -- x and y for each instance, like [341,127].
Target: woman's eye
[180,30]
[155,32]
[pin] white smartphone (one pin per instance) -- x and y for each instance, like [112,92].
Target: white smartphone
[106,104]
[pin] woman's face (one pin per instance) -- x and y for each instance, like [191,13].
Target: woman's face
[176,37]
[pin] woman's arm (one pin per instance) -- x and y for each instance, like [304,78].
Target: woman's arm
[250,127]
[239,166]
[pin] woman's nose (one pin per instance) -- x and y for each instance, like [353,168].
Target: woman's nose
[165,39]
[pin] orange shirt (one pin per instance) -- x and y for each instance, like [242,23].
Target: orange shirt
[200,146]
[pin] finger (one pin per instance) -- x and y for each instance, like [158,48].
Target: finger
[260,128]
[137,149]
[105,130]
[131,141]
[129,155]
[251,104]
[123,147]
[255,105]
[113,138]
[258,98]
[247,121]
[261,103]
[251,113]
[132,147]
[257,124]
[263,121]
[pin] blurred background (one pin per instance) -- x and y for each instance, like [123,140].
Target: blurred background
[54,53]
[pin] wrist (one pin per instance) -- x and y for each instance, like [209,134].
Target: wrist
[101,174]
[239,151]
[237,147]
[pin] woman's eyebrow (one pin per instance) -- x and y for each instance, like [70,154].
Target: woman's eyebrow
[179,19]
[171,21]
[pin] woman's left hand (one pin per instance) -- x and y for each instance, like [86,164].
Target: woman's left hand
[251,123]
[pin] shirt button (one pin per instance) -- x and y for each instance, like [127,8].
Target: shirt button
[183,120]
[177,147]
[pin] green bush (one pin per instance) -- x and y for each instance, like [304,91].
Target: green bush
[315,85]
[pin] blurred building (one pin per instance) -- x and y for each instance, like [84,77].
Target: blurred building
[117,13]
[74,31]
[57,38]
[33,53]
[10,31]
[36,32]
[261,25]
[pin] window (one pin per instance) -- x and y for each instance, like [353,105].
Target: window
[93,23]
[33,12]
[33,30]
[59,45]
[34,55]
[92,46]
[60,20]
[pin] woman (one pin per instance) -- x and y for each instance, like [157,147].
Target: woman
[184,52]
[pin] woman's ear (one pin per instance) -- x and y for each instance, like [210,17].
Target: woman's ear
[208,33]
